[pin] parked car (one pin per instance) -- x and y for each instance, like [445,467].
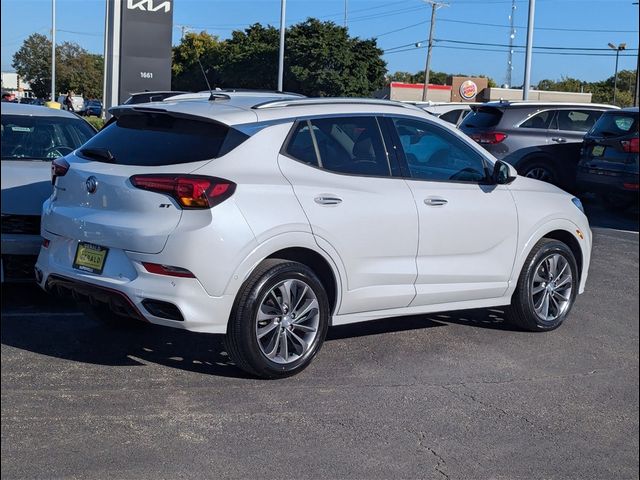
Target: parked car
[32,137]
[542,140]
[268,219]
[93,108]
[146,97]
[76,100]
[609,164]
[452,112]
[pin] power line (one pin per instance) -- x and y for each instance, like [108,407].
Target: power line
[496,50]
[486,44]
[554,29]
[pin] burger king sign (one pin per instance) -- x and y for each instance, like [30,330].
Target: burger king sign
[468,90]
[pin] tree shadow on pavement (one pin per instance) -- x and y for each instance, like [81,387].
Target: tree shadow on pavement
[55,328]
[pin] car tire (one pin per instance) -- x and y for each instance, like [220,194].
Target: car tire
[616,202]
[265,320]
[540,170]
[550,272]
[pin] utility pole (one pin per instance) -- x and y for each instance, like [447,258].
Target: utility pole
[618,49]
[512,36]
[283,7]
[434,6]
[527,61]
[53,51]
[346,12]
[636,94]
[183,29]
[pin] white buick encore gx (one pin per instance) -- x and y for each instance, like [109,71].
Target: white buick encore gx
[270,217]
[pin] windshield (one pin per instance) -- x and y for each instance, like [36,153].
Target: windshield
[26,137]
[617,124]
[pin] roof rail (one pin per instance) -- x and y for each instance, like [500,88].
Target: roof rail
[298,102]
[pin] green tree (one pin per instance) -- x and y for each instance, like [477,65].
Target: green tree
[32,62]
[76,69]
[185,71]
[323,60]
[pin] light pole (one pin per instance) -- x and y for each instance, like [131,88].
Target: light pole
[283,8]
[529,51]
[618,49]
[53,50]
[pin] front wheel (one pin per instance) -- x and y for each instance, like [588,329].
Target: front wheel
[547,287]
[279,320]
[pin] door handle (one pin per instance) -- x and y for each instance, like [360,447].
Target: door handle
[327,200]
[435,201]
[559,139]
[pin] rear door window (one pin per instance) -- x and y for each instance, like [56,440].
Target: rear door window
[540,120]
[482,117]
[351,145]
[27,137]
[155,139]
[577,120]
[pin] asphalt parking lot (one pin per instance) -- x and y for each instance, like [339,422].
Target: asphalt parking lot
[458,395]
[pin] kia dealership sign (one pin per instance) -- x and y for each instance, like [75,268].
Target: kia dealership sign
[137,48]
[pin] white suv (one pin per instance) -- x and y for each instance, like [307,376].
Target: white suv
[270,218]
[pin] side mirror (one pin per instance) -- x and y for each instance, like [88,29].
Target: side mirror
[503,173]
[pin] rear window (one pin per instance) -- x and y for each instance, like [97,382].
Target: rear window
[615,125]
[27,137]
[482,117]
[155,139]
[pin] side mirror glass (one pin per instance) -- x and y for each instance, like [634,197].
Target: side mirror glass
[503,173]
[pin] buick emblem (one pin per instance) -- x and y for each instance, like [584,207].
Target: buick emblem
[91,184]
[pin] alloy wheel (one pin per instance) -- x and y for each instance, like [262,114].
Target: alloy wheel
[551,287]
[287,321]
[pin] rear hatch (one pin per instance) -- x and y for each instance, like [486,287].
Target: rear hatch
[612,143]
[95,200]
[481,125]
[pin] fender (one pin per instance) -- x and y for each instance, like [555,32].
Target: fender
[281,242]
[539,231]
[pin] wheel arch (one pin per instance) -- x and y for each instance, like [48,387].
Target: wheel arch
[300,247]
[570,241]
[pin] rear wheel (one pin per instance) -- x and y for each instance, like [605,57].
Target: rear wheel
[279,321]
[547,287]
[540,170]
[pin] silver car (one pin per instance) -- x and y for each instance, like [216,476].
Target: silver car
[32,137]
[542,140]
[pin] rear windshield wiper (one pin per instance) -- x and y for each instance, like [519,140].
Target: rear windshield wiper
[100,154]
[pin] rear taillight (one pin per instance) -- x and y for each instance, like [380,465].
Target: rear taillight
[59,168]
[630,186]
[169,270]
[630,146]
[190,191]
[489,137]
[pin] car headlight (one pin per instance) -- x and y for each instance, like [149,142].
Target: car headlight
[578,203]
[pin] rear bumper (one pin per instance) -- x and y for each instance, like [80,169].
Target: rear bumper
[603,181]
[130,290]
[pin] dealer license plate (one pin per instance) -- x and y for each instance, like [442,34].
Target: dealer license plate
[597,151]
[90,257]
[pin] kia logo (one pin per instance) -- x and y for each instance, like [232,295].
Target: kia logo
[148,6]
[91,184]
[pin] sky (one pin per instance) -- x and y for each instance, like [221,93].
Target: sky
[397,25]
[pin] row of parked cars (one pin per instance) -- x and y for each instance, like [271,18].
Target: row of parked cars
[579,147]
[268,217]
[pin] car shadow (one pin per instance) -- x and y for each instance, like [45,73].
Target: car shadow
[58,330]
[600,217]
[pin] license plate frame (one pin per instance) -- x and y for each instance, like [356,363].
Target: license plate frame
[90,257]
[598,150]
